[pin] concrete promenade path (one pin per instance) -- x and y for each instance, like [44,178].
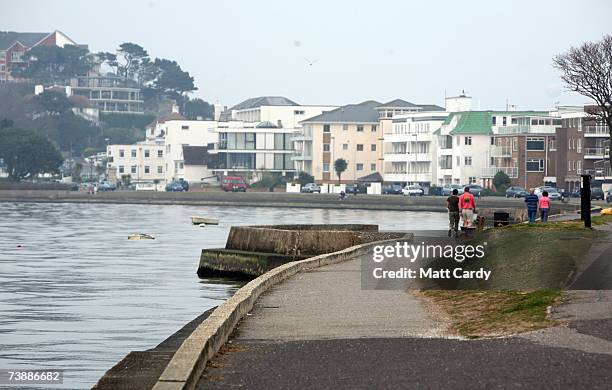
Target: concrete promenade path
[320,330]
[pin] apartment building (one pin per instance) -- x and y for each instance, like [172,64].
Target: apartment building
[110,94]
[143,162]
[14,45]
[409,143]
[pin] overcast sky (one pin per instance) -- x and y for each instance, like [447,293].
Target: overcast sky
[356,50]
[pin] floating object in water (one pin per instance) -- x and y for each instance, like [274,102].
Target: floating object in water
[140,236]
[203,220]
[19,246]
[202,225]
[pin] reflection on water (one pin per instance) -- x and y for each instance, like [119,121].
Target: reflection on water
[75,294]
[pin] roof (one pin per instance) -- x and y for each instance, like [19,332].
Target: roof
[480,122]
[173,116]
[371,178]
[400,103]
[264,101]
[356,113]
[28,39]
[195,155]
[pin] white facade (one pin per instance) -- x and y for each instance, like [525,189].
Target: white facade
[410,150]
[281,116]
[144,162]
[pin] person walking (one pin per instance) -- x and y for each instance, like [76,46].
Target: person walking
[532,205]
[467,205]
[544,206]
[452,204]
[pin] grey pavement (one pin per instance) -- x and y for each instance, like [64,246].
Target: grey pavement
[320,330]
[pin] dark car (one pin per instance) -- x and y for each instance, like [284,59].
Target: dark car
[184,183]
[352,189]
[597,194]
[576,193]
[106,186]
[175,186]
[393,189]
[609,196]
[475,190]
[516,192]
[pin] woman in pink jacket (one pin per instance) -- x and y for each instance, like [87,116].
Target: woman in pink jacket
[544,206]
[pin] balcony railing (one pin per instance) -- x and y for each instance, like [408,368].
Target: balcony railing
[501,151]
[597,131]
[527,129]
[595,152]
[488,172]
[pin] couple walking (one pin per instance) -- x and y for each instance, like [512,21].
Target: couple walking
[534,203]
[464,205]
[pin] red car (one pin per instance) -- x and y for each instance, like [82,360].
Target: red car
[234,184]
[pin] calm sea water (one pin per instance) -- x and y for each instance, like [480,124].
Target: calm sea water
[75,294]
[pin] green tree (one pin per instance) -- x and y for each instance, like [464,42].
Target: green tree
[304,178]
[27,154]
[501,181]
[172,81]
[195,108]
[53,102]
[340,166]
[49,64]
[77,170]
[134,59]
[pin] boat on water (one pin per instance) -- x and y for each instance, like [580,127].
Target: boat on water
[202,220]
[140,236]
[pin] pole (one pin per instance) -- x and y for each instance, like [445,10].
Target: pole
[585,200]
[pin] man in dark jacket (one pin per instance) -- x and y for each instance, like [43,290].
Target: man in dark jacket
[532,205]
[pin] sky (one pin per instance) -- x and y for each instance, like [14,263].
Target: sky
[337,52]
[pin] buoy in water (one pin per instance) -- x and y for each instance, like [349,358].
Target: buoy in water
[140,236]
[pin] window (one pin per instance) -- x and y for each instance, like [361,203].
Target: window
[360,147]
[184,127]
[16,56]
[493,120]
[467,140]
[298,112]
[160,169]
[121,169]
[325,167]
[326,129]
[326,147]
[492,141]
[374,128]
[504,121]
[360,128]
[133,169]
[146,153]
[534,165]
[536,144]
[569,165]
[133,153]
[373,147]
[458,160]
[160,153]
[345,127]
[373,167]
[344,146]
[147,169]
[359,167]
[472,180]
[514,144]
[250,141]
[121,153]
[467,161]
[181,165]
[579,145]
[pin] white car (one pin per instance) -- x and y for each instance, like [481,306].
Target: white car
[413,190]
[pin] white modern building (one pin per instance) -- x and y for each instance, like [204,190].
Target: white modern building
[143,162]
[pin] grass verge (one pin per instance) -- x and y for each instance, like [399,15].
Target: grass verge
[475,314]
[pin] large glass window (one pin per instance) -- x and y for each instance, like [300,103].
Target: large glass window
[535,144]
[535,165]
[279,141]
[250,141]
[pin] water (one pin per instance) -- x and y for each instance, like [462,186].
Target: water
[79,296]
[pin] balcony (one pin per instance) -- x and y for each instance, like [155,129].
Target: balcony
[527,129]
[602,173]
[490,172]
[596,131]
[398,176]
[595,153]
[501,151]
[301,157]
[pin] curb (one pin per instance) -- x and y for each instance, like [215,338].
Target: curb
[188,363]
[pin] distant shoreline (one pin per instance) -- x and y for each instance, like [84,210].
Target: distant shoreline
[260,199]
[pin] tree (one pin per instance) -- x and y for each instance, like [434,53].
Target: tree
[6,123]
[195,108]
[53,102]
[76,172]
[340,166]
[587,69]
[304,178]
[134,59]
[171,80]
[501,181]
[27,154]
[49,64]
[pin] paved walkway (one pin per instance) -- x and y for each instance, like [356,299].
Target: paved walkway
[319,330]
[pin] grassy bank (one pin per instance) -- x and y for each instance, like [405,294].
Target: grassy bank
[530,265]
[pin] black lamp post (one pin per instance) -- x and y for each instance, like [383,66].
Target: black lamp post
[585,200]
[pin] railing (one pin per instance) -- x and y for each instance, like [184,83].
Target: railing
[526,129]
[501,151]
[595,152]
[512,172]
[598,130]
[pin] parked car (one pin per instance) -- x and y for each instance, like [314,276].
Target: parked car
[310,188]
[448,189]
[576,192]
[516,192]
[475,190]
[174,186]
[233,184]
[553,193]
[106,186]
[184,183]
[353,189]
[413,190]
[597,194]
[609,196]
[393,189]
